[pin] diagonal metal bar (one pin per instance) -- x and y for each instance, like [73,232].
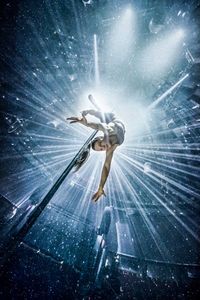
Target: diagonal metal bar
[31,219]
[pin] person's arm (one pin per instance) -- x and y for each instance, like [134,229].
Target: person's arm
[106,168]
[105,173]
[102,127]
[97,126]
[94,113]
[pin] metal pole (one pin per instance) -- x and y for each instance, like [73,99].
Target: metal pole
[31,219]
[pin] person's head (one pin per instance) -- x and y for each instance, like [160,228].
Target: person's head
[98,144]
[83,157]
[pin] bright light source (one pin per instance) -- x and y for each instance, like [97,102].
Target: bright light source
[128,11]
[96,61]
[158,58]
[122,37]
[180,33]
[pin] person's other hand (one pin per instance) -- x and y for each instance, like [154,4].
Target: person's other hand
[98,194]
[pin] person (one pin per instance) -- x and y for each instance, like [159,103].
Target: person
[113,136]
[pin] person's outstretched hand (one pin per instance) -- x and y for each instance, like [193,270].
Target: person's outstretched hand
[81,120]
[98,194]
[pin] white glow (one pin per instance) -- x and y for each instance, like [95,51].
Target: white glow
[136,119]
[161,54]
[96,61]
[120,41]
[130,110]
[180,33]
[128,12]
[101,98]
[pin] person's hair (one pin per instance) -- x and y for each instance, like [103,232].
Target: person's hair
[94,141]
[83,157]
[85,154]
